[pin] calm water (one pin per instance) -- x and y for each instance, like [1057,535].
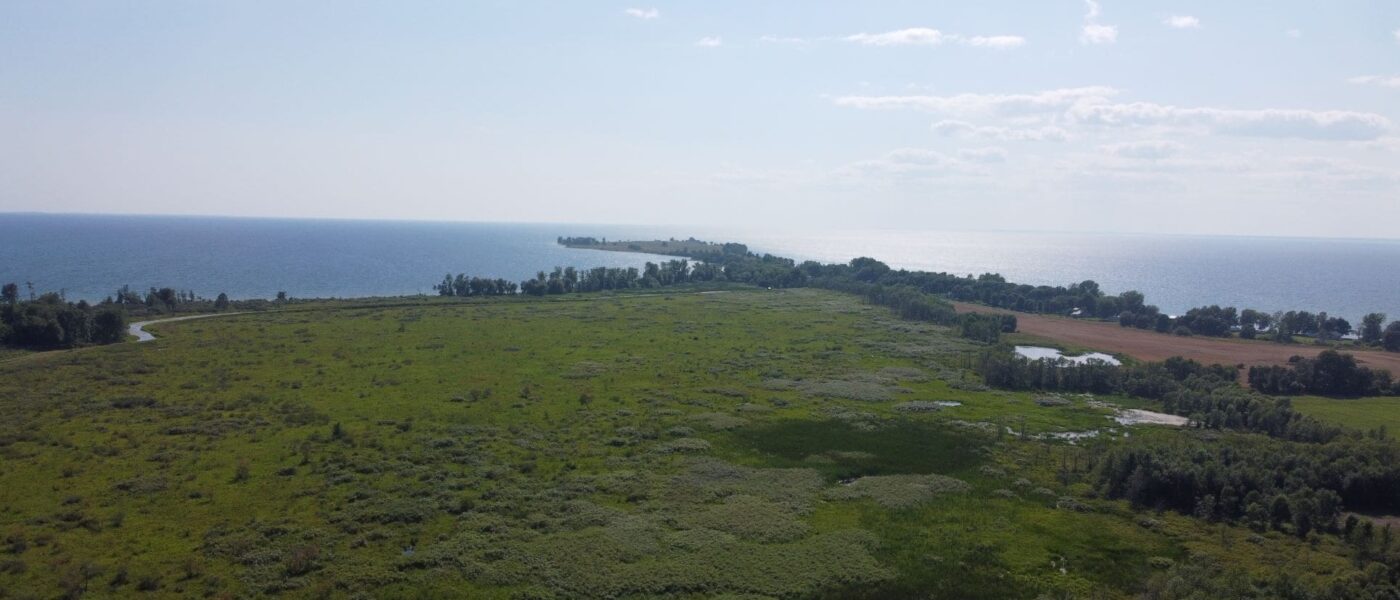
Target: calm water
[1039,352]
[1346,278]
[90,256]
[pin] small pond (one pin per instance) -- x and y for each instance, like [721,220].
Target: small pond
[1039,352]
[1133,416]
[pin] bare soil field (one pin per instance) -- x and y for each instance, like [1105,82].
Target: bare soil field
[1152,346]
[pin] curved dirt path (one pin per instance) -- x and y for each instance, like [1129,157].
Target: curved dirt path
[138,328]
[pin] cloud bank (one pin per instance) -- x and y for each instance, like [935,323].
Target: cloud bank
[1094,106]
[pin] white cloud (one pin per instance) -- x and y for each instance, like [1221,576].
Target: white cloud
[1093,10]
[1269,122]
[1397,34]
[1294,33]
[710,42]
[1182,22]
[998,42]
[1094,32]
[983,155]
[924,36]
[1391,81]
[643,13]
[908,163]
[1147,150]
[982,104]
[1031,134]
[915,36]
[775,39]
[1093,106]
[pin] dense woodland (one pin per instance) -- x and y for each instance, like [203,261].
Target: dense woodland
[48,321]
[1330,374]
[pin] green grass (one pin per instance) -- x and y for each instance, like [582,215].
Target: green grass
[1358,413]
[632,445]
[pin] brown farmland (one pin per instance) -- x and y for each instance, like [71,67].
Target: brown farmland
[1153,346]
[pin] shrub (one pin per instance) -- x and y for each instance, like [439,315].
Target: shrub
[148,583]
[302,560]
[918,406]
[684,446]
[750,518]
[899,491]
[241,471]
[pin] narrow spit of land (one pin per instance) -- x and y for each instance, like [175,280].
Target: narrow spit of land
[1151,346]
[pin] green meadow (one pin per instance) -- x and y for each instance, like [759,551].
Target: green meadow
[1358,413]
[742,442]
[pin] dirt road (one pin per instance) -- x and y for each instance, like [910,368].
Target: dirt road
[138,328]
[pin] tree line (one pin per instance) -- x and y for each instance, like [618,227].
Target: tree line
[1282,327]
[1260,482]
[168,300]
[1083,299]
[736,264]
[1332,373]
[47,321]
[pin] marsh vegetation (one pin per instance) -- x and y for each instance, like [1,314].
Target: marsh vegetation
[783,443]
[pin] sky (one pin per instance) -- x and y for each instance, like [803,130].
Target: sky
[1246,117]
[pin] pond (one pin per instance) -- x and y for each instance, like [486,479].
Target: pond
[1039,352]
[1134,416]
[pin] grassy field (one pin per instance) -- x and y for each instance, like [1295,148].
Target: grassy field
[1359,413]
[744,442]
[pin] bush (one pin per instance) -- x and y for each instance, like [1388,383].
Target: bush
[13,566]
[899,491]
[302,560]
[241,471]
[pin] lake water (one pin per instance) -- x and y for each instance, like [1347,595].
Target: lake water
[1039,352]
[89,256]
[1346,278]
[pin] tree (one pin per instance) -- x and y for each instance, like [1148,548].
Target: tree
[10,293]
[1372,328]
[1279,513]
[281,296]
[1390,340]
[1132,300]
[168,297]
[221,303]
[1337,326]
[109,326]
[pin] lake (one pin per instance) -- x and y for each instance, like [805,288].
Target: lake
[89,256]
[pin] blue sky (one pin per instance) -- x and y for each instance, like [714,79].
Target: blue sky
[1267,118]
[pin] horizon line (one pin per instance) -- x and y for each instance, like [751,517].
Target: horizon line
[734,228]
